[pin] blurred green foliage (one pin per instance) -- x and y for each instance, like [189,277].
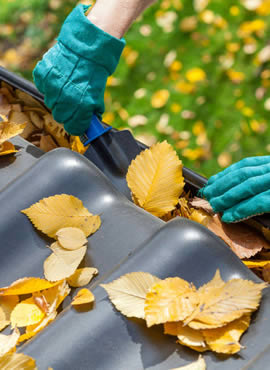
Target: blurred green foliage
[212,63]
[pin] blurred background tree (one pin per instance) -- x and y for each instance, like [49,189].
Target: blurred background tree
[196,73]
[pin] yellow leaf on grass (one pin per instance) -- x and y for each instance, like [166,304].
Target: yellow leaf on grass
[186,335]
[7,148]
[26,313]
[155,178]
[7,304]
[128,293]
[196,365]
[59,211]
[57,268]
[71,238]
[172,299]
[9,130]
[160,98]
[226,339]
[82,276]
[83,296]
[17,361]
[26,285]
[221,303]
[8,342]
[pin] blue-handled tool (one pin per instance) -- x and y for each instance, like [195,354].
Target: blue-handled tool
[111,151]
[95,130]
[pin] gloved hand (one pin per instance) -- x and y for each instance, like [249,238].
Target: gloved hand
[241,190]
[73,73]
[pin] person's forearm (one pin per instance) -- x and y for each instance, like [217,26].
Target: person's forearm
[116,16]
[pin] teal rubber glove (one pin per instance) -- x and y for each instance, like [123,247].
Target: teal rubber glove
[72,75]
[241,190]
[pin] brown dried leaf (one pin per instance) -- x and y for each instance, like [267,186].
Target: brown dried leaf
[266,273]
[243,240]
[47,143]
[201,204]
[7,148]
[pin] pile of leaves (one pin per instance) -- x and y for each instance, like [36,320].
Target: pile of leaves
[21,109]
[157,185]
[63,218]
[212,317]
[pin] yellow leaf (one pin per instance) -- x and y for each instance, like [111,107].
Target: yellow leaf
[255,264]
[226,339]
[196,365]
[59,211]
[54,297]
[7,148]
[26,286]
[8,342]
[199,216]
[83,296]
[172,299]
[17,361]
[128,293]
[160,98]
[26,313]
[9,130]
[57,268]
[82,276]
[221,303]
[155,178]
[77,145]
[71,237]
[186,335]
[68,256]
[7,304]
[195,75]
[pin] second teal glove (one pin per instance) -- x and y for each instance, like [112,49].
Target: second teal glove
[72,75]
[241,190]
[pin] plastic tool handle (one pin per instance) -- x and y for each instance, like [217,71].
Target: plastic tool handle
[95,130]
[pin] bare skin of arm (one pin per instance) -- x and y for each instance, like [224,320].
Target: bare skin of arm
[116,16]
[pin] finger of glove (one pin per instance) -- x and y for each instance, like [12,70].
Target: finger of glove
[57,78]
[44,67]
[248,208]
[221,187]
[246,162]
[67,102]
[247,189]
[92,101]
